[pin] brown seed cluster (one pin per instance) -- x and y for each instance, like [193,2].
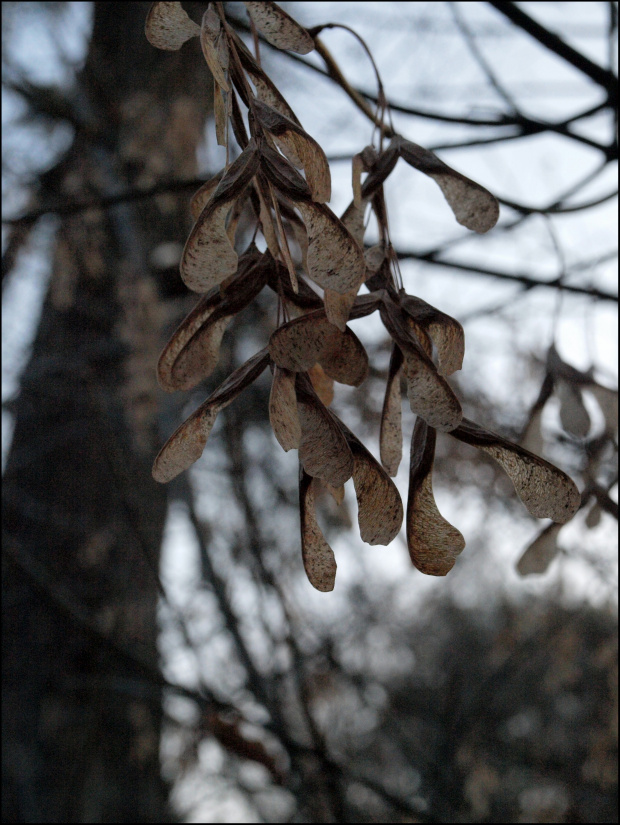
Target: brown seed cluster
[312,346]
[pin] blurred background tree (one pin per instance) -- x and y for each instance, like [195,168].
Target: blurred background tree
[164,656]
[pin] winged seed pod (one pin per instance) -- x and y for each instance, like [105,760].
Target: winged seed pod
[311,346]
[474,206]
[208,257]
[279,28]
[186,445]
[546,491]
[168,26]
[317,555]
[433,542]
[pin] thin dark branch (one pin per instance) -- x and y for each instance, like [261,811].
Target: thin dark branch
[521,278]
[551,41]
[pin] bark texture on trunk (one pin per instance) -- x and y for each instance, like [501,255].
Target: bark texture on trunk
[82,517]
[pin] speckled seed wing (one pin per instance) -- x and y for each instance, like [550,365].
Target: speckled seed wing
[323,449]
[474,206]
[215,48]
[317,555]
[186,444]
[391,434]
[545,490]
[541,552]
[445,332]
[208,257]
[433,542]
[283,414]
[380,509]
[279,28]
[430,396]
[168,26]
[335,260]
[301,149]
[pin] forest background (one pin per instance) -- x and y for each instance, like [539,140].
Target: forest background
[163,654]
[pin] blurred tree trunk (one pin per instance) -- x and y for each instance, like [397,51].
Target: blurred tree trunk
[83,518]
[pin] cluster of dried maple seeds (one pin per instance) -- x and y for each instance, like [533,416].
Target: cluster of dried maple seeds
[313,346]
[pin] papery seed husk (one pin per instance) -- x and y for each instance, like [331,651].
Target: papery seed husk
[186,445]
[335,260]
[323,449]
[433,542]
[220,114]
[214,48]
[168,26]
[430,396]
[391,434]
[317,555]
[301,149]
[182,335]
[445,332]
[199,355]
[322,384]
[380,509]
[203,195]
[283,413]
[474,206]
[344,359]
[353,221]
[541,552]
[279,28]
[338,307]
[208,257]
[545,490]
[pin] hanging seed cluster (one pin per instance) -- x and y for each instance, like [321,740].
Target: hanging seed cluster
[312,346]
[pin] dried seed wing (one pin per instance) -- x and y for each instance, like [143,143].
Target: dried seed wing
[433,542]
[541,552]
[220,114]
[279,28]
[573,414]
[430,395]
[198,354]
[323,449]
[323,385]
[335,260]
[344,358]
[374,258]
[445,332]
[380,171]
[168,26]
[380,509]
[182,335]
[607,399]
[337,493]
[338,307]
[283,413]
[267,93]
[208,257]
[298,344]
[203,196]
[214,48]
[545,490]
[317,555]
[593,519]
[186,445]
[283,175]
[474,206]
[391,436]
[241,378]
[353,221]
[299,148]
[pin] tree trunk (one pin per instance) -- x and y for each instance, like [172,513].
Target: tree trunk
[83,519]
